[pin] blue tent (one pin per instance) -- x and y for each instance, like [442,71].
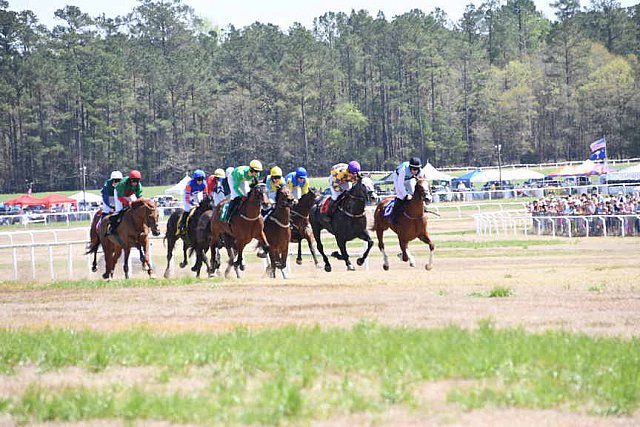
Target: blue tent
[466,178]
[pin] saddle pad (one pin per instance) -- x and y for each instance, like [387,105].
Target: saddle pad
[223,207]
[324,207]
[388,209]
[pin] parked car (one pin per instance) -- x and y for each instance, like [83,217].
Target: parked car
[498,185]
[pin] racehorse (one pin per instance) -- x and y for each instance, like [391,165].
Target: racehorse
[202,243]
[412,223]
[245,225]
[277,229]
[132,232]
[189,237]
[347,223]
[301,227]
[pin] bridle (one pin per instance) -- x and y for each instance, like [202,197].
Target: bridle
[258,193]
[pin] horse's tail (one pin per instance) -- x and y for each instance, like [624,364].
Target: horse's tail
[93,248]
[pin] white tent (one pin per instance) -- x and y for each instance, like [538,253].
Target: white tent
[179,187]
[507,175]
[89,197]
[632,173]
[433,174]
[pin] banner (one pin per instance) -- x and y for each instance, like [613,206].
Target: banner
[598,150]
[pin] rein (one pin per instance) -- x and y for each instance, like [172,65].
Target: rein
[299,214]
[349,214]
[246,218]
[413,217]
[274,219]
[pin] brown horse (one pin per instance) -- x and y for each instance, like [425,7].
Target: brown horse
[277,229]
[245,225]
[412,223]
[302,227]
[133,231]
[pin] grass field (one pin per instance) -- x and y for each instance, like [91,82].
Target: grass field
[503,331]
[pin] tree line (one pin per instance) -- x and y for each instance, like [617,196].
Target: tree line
[163,91]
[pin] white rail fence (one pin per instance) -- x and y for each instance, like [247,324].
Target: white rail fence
[518,222]
[59,254]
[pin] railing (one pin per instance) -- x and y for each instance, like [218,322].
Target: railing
[518,222]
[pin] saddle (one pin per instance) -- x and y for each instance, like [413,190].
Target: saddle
[324,205]
[388,209]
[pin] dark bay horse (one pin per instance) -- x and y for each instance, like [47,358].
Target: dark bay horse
[245,225]
[347,223]
[132,231]
[412,223]
[277,229]
[301,226]
[189,237]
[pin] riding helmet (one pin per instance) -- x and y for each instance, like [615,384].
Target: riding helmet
[116,175]
[415,163]
[354,166]
[219,173]
[256,165]
[276,172]
[135,174]
[301,172]
[198,173]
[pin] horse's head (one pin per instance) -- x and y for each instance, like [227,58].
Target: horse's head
[150,215]
[421,191]
[284,198]
[258,193]
[363,189]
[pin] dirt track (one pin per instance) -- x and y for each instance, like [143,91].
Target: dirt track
[591,287]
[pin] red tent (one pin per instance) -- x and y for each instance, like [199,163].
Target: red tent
[26,200]
[58,199]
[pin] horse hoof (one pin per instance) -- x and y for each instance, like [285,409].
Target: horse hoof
[106,276]
[412,264]
[385,267]
[428,267]
[194,269]
[351,268]
[183,264]
[299,261]
[327,268]
[94,269]
[360,261]
[241,267]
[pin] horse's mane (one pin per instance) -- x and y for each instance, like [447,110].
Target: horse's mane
[143,202]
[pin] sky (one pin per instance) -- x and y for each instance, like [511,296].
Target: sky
[283,13]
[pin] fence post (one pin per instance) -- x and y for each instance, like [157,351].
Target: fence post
[15,264]
[69,260]
[51,270]
[33,262]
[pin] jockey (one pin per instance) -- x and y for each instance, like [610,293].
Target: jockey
[238,180]
[109,193]
[215,187]
[194,188]
[341,179]
[273,182]
[128,190]
[404,180]
[298,182]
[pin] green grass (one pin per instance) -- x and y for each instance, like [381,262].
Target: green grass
[296,374]
[497,292]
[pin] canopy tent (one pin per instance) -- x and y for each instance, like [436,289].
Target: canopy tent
[520,174]
[58,199]
[433,174]
[179,187]
[466,178]
[25,200]
[81,197]
[632,173]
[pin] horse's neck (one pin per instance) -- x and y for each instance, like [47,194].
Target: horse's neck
[251,206]
[135,218]
[415,205]
[302,209]
[282,213]
[353,204]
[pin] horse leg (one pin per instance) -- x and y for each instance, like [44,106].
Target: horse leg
[385,257]
[237,265]
[367,238]
[172,243]
[342,244]
[273,263]
[309,236]
[283,262]
[406,255]
[426,239]
[94,265]
[108,257]
[126,263]
[316,234]
[183,264]
[299,258]
[232,256]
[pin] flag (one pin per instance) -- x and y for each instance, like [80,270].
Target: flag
[598,150]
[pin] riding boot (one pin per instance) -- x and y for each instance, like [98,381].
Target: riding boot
[233,205]
[333,206]
[181,224]
[113,221]
[398,207]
